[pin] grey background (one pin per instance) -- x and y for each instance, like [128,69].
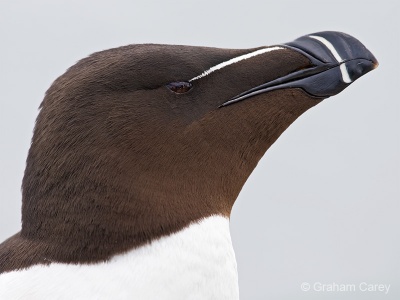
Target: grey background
[323,204]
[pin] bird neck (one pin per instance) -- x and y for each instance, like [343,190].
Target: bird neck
[200,255]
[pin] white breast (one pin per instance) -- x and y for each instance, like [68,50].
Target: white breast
[195,263]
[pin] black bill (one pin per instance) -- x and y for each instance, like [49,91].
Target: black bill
[337,60]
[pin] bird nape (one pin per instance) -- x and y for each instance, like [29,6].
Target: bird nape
[138,155]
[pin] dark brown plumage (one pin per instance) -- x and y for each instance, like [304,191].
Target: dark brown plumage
[117,159]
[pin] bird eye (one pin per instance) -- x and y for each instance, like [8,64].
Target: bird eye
[179,87]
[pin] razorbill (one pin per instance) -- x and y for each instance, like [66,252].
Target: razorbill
[138,155]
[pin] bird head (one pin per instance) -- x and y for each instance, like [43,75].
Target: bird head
[136,142]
